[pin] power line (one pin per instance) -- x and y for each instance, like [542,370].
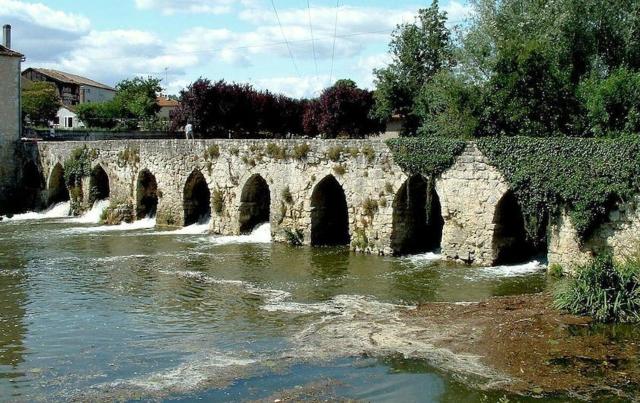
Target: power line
[335,33]
[293,60]
[313,42]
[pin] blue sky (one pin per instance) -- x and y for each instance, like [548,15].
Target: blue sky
[235,40]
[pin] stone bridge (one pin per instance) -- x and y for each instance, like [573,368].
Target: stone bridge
[313,192]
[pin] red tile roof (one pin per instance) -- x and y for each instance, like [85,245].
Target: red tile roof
[69,78]
[166,102]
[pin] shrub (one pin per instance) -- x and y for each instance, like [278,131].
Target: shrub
[339,169]
[217,201]
[294,237]
[77,166]
[234,150]
[287,196]
[370,207]
[334,153]
[213,152]
[369,152]
[276,152]
[607,290]
[556,271]
[300,151]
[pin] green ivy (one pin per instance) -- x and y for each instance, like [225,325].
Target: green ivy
[587,176]
[429,156]
[78,166]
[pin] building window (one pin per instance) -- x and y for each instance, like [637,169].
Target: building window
[69,122]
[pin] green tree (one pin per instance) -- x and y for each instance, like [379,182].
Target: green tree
[418,50]
[40,102]
[103,115]
[449,106]
[137,97]
[612,103]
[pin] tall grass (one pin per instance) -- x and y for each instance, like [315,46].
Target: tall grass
[606,290]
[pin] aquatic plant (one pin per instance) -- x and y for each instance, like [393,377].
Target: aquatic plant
[606,289]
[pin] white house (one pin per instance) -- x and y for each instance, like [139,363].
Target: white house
[67,118]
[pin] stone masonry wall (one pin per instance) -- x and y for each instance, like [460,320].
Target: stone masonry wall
[620,235]
[469,192]
[9,127]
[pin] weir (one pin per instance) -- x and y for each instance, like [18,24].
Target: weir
[338,193]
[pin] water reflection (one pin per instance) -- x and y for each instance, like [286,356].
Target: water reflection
[13,302]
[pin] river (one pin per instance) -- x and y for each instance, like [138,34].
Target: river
[89,312]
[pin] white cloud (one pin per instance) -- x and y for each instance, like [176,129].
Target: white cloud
[297,87]
[43,16]
[458,12]
[170,7]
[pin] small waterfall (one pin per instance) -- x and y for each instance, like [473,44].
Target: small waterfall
[261,234]
[93,216]
[60,210]
[145,223]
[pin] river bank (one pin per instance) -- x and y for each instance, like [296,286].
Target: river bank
[539,350]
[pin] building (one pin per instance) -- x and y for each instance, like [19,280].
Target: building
[167,106]
[72,89]
[10,118]
[67,118]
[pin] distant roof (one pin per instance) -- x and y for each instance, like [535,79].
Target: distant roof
[8,52]
[69,78]
[167,102]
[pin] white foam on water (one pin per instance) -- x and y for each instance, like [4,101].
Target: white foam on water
[188,376]
[145,223]
[261,234]
[424,257]
[93,216]
[195,229]
[60,210]
[507,270]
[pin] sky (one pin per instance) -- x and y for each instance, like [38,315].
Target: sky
[285,46]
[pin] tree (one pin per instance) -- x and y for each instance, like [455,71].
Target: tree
[419,50]
[612,103]
[344,110]
[104,115]
[137,97]
[40,102]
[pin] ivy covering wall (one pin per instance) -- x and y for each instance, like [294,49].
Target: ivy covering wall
[589,177]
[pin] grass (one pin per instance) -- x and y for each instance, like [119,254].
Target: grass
[606,290]
[334,153]
[276,152]
[300,151]
[339,169]
[212,152]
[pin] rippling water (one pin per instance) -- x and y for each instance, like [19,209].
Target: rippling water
[130,312]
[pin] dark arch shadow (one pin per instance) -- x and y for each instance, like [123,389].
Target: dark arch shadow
[57,191]
[510,242]
[98,185]
[196,199]
[417,218]
[32,185]
[146,195]
[255,203]
[329,214]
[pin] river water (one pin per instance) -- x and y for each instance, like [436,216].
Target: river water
[131,312]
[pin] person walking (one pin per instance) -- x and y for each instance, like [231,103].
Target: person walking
[188,131]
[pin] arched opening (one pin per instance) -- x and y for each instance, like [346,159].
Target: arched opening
[417,218]
[510,242]
[32,183]
[255,203]
[57,191]
[146,195]
[329,214]
[98,185]
[197,199]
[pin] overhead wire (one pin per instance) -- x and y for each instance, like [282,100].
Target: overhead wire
[335,35]
[293,60]
[313,42]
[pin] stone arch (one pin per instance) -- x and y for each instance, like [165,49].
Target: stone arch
[329,214]
[32,184]
[146,195]
[98,185]
[255,203]
[417,218]
[510,242]
[57,189]
[196,199]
